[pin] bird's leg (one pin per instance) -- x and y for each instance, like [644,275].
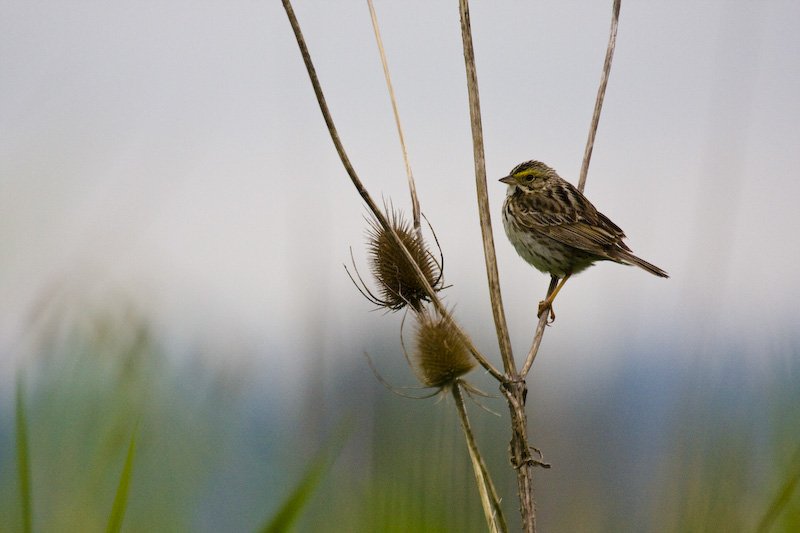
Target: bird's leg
[547,304]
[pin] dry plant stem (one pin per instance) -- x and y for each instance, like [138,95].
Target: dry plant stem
[483,195]
[368,199]
[587,156]
[513,387]
[521,458]
[489,499]
[537,337]
[411,186]
[601,92]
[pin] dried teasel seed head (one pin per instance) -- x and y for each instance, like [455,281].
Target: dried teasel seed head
[397,282]
[440,354]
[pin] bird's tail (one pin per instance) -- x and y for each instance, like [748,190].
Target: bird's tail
[629,258]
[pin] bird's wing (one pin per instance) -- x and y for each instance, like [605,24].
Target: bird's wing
[576,223]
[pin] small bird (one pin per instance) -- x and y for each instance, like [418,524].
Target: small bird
[557,230]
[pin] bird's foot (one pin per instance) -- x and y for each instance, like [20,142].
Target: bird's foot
[544,307]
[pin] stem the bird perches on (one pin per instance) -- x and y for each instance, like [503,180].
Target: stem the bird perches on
[587,156]
[537,337]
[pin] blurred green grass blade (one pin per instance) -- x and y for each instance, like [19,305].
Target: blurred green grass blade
[784,496]
[121,499]
[287,514]
[291,508]
[23,459]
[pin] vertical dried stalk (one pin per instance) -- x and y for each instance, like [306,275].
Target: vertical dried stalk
[601,92]
[513,386]
[521,459]
[483,195]
[411,186]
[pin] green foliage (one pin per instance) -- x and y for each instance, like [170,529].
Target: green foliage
[784,494]
[90,376]
[23,460]
[290,510]
[681,452]
[121,499]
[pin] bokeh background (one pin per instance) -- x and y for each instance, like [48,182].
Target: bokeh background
[174,221]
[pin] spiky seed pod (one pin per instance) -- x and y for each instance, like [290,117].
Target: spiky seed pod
[397,282]
[440,353]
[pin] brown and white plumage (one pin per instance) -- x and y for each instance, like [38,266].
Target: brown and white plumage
[556,229]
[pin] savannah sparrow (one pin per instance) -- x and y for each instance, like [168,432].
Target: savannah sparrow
[557,230]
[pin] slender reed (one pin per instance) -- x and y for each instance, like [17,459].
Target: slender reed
[491,502]
[601,93]
[587,156]
[512,386]
[483,195]
[537,337]
[415,209]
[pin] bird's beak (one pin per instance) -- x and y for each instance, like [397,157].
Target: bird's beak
[508,180]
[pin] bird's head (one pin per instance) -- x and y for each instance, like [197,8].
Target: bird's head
[530,175]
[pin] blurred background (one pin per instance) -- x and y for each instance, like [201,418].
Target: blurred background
[174,221]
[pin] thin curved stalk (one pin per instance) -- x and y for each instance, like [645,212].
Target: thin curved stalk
[537,337]
[513,387]
[601,92]
[411,186]
[587,156]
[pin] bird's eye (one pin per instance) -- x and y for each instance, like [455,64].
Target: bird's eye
[529,178]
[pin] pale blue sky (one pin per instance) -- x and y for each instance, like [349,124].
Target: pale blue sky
[173,152]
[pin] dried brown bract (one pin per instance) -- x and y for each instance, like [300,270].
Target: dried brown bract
[398,284]
[440,354]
